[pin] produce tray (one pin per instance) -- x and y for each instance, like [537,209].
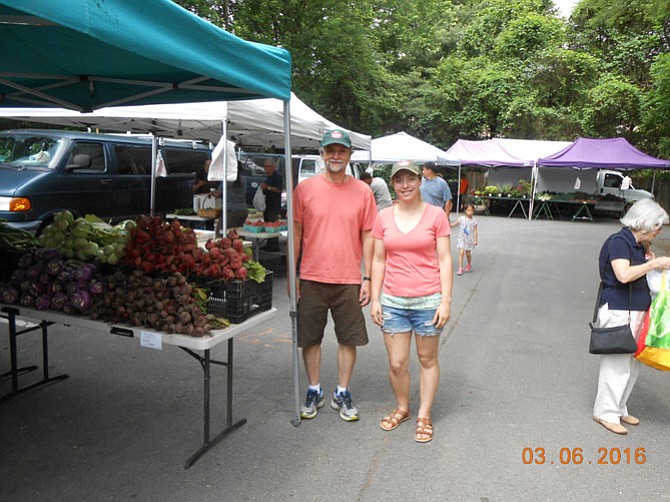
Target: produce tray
[237,301]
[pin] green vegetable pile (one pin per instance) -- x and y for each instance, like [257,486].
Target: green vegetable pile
[86,238]
[15,239]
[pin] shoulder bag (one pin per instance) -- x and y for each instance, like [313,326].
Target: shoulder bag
[615,339]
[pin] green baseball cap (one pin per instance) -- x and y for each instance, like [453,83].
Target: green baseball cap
[405,165]
[336,136]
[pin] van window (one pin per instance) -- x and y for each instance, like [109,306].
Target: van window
[308,167]
[612,181]
[94,156]
[184,161]
[133,159]
[25,150]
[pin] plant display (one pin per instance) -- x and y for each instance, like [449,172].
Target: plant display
[14,238]
[44,280]
[152,290]
[86,238]
[167,303]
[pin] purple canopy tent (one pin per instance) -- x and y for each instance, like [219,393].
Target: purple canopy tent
[610,153]
[504,152]
[607,153]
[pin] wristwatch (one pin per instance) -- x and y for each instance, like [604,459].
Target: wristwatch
[366,277]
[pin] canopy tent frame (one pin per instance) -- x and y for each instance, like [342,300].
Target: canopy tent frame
[123,56]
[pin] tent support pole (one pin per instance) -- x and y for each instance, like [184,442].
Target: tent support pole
[154,166]
[293,312]
[533,187]
[224,188]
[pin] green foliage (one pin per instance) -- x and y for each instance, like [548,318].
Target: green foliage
[613,109]
[656,123]
[443,70]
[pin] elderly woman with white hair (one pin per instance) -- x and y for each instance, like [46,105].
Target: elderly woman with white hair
[624,261]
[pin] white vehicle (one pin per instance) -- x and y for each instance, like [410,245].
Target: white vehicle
[610,183]
[306,166]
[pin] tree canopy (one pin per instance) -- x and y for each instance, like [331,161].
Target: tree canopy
[474,69]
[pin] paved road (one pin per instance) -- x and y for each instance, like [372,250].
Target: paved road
[516,377]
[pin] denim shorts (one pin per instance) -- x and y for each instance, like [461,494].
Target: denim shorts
[397,320]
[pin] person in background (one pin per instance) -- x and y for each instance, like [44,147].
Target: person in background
[467,237]
[624,261]
[236,203]
[333,215]
[434,190]
[412,266]
[272,189]
[379,189]
[202,184]
[463,185]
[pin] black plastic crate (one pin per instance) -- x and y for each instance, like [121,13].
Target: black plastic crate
[239,300]
[276,262]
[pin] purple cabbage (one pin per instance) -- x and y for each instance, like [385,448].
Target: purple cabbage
[17,276]
[36,288]
[65,275]
[54,266]
[83,273]
[96,287]
[81,300]
[43,301]
[10,294]
[55,287]
[33,272]
[72,287]
[58,300]
[27,300]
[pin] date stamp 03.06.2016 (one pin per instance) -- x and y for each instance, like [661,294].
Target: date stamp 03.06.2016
[577,456]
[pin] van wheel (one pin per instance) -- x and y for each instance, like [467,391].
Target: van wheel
[44,225]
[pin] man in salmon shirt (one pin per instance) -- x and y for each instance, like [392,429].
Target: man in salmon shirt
[333,217]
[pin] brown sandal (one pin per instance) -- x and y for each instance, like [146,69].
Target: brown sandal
[424,430]
[394,419]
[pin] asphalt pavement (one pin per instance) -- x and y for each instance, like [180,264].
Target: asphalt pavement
[512,417]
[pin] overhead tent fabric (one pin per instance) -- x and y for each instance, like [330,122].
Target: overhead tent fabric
[609,153]
[88,54]
[250,123]
[398,146]
[503,151]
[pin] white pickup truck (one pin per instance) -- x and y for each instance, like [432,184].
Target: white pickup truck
[615,183]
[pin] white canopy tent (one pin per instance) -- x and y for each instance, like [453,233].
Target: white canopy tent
[257,123]
[399,146]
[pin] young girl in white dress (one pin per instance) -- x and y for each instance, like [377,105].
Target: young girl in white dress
[467,237]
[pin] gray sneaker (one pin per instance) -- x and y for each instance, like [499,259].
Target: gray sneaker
[313,402]
[344,404]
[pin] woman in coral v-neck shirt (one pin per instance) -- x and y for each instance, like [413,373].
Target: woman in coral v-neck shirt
[411,292]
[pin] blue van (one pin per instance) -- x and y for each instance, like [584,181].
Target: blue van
[43,172]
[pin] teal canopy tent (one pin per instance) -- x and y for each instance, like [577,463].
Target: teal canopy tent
[88,54]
